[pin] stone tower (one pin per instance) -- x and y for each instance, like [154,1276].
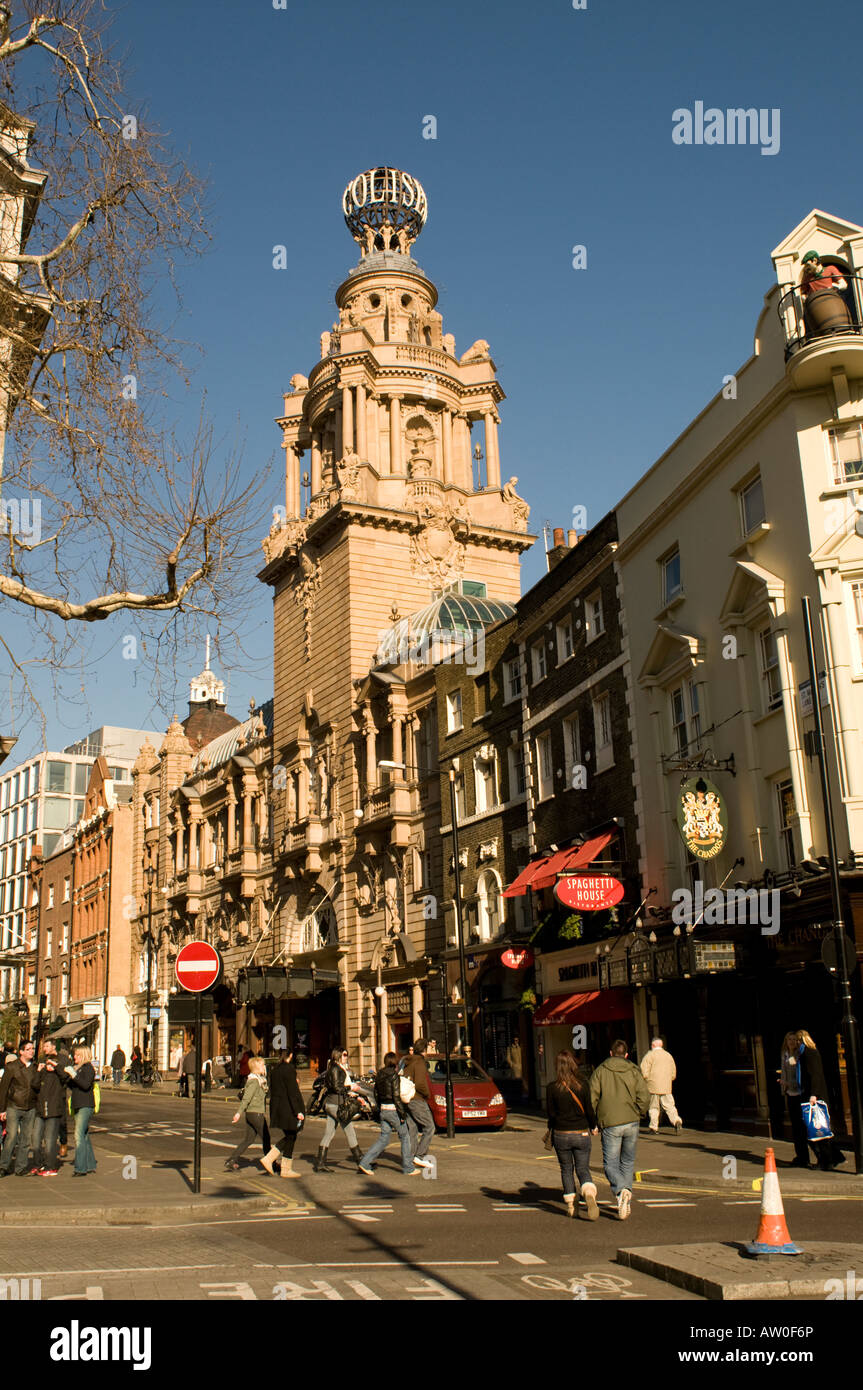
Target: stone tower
[393,495]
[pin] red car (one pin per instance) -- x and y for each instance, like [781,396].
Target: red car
[477,1102]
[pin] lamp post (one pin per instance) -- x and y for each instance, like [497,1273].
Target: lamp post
[459,925]
[150,875]
[849,1022]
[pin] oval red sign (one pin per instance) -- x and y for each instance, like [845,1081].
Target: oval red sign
[517,960]
[589,892]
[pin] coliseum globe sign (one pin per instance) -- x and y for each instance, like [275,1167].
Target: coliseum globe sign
[384,196]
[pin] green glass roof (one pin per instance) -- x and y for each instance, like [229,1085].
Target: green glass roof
[443,626]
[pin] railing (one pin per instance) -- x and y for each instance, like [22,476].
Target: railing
[432,357]
[799,329]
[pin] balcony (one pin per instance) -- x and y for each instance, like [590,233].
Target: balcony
[824,332]
[390,806]
[304,838]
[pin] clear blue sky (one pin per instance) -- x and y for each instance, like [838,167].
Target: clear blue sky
[554,129]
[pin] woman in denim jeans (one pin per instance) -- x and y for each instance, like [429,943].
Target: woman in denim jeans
[571,1121]
[81,1079]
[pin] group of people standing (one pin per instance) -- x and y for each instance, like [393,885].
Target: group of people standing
[35,1097]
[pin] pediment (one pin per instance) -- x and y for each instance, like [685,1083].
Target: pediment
[671,652]
[845,545]
[817,224]
[749,588]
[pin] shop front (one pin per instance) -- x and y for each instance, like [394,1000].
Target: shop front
[304,1003]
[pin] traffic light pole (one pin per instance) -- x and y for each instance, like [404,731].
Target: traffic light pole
[849,1022]
[459,925]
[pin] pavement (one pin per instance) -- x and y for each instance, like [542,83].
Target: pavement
[491,1226]
[724,1270]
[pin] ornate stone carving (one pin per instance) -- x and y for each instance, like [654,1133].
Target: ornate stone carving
[435,549]
[477,352]
[348,470]
[488,849]
[282,536]
[304,594]
[299,383]
[519,508]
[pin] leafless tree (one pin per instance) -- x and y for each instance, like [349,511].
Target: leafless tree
[103,508]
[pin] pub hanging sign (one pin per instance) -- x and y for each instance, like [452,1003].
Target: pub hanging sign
[702,818]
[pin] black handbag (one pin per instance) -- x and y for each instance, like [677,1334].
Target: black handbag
[348,1110]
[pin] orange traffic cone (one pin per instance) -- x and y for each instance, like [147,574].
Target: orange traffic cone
[772,1237]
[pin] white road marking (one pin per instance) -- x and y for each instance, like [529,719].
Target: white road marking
[359,1216]
[744,1202]
[525,1258]
[387,1264]
[662,1205]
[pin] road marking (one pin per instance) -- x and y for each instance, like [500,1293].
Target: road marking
[525,1258]
[439,1206]
[387,1264]
[133,1269]
[746,1202]
[363,1290]
[661,1206]
[360,1216]
[514,1206]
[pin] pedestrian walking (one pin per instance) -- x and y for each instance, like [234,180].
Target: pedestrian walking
[18,1109]
[339,1109]
[81,1080]
[188,1067]
[813,1087]
[619,1095]
[287,1112]
[515,1063]
[419,1115]
[252,1109]
[118,1064]
[393,1119]
[790,1084]
[50,1108]
[659,1070]
[571,1121]
[136,1066]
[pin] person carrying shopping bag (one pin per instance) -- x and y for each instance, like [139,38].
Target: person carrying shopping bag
[814,1104]
[252,1109]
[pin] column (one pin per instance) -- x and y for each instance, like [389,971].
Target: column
[347,419]
[316,462]
[371,761]
[231,796]
[373,432]
[396,465]
[247,815]
[448,476]
[397,722]
[492,462]
[293,455]
[338,440]
[362,442]
[195,838]
[463,465]
[416,1009]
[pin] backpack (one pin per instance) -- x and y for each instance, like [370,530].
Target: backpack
[407,1089]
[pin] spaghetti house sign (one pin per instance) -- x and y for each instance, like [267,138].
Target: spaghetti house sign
[589,892]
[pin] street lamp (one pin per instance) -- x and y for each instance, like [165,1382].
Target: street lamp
[150,875]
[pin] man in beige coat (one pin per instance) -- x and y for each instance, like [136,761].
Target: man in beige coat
[659,1070]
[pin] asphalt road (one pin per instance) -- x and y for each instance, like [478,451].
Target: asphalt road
[491,1227]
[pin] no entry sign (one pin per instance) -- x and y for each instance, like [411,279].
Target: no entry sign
[198,965]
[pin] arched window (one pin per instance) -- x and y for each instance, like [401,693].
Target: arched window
[488,905]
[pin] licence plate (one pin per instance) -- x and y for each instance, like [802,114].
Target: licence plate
[474,1114]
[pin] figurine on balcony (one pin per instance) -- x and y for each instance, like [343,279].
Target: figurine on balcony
[824,309]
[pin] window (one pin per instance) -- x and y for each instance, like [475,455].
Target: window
[517,777]
[593,619]
[66,883]
[485,780]
[50,895]
[59,777]
[56,813]
[685,718]
[602,732]
[49,981]
[571,747]
[544,769]
[82,777]
[47,942]
[453,711]
[857,619]
[64,989]
[537,661]
[65,941]
[845,443]
[459,796]
[787,817]
[512,680]
[481,695]
[488,905]
[752,511]
[770,676]
[671,582]
[565,646]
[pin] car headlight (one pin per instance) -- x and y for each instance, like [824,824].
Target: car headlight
[440,1100]
[497,1099]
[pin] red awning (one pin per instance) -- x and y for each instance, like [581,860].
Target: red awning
[570,861]
[542,873]
[597,1006]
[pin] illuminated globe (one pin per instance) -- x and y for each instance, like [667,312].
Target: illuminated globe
[385,209]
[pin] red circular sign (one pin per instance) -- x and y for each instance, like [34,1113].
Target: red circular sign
[589,892]
[517,960]
[197,966]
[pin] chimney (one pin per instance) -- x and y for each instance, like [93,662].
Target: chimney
[559,549]
[572,538]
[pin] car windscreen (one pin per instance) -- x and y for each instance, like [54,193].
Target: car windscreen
[461,1069]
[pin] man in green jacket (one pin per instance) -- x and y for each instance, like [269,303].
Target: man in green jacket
[619,1095]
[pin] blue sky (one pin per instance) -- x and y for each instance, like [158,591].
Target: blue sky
[553,130]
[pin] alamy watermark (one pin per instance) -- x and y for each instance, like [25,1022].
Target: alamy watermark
[22,516]
[717,907]
[734,126]
[440,647]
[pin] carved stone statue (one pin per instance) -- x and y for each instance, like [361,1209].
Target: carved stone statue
[348,470]
[520,509]
[325,345]
[299,382]
[414,328]
[477,352]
